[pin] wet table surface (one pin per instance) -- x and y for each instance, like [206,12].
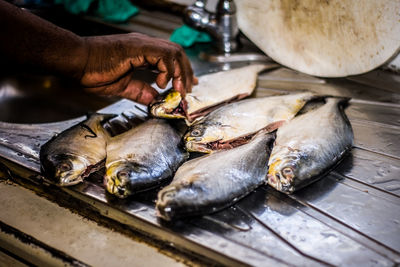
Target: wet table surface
[349,217]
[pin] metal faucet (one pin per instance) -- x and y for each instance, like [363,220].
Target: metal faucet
[222,25]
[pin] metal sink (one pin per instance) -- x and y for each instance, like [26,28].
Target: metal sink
[28,98]
[350,217]
[38,98]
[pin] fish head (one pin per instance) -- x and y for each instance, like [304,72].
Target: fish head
[123,178]
[177,200]
[65,169]
[166,203]
[200,136]
[166,106]
[285,171]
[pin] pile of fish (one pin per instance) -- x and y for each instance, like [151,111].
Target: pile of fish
[280,140]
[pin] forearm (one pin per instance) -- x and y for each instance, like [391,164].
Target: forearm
[31,41]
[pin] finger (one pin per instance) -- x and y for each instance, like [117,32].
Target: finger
[166,66]
[177,82]
[138,61]
[195,80]
[152,60]
[185,73]
[139,91]
[190,79]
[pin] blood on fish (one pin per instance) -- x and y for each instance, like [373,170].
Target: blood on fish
[218,145]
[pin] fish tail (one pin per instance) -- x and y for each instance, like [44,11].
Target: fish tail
[340,102]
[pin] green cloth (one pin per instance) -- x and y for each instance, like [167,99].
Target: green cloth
[116,11]
[110,10]
[187,36]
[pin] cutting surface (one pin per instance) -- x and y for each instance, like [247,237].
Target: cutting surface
[330,38]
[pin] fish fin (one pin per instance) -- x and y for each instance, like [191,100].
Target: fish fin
[92,133]
[312,104]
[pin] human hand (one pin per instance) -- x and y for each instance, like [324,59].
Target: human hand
[113,58]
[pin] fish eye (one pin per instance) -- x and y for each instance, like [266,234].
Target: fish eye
[195,133]
[122,175]
[169,195]
[64,167]
[287,172]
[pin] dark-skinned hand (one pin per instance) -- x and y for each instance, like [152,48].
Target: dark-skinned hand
[112,59]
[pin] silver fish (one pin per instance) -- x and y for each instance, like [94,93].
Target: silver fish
[309,145]
[75,153]
[212,182]
[235,123]
[212,90]
[142,158]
